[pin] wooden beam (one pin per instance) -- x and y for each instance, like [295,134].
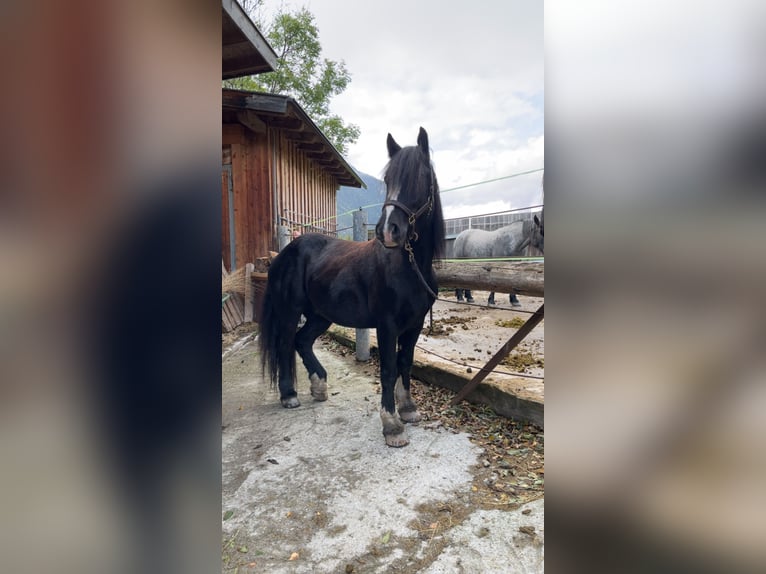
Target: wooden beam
[251,121]
[256,102]
[313,147]
[501,354]
[324,159]
[305,136]
[290,124]
[522,277]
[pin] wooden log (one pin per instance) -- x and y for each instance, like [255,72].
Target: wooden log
[522,277]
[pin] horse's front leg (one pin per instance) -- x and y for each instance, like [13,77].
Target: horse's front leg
[393,429]
[408,412]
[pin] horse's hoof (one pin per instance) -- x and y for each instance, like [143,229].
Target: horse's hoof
[318,388]
[393,429]
[470,300]
[410,416]
[397,440]
[515,304]
[290,402]
[491,303]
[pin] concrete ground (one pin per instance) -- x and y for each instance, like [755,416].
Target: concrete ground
[315,489]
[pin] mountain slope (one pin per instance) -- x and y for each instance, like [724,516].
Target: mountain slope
[351,199]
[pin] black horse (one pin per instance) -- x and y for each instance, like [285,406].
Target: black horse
[386,283]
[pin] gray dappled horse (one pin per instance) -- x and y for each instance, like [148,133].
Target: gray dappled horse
[523,237]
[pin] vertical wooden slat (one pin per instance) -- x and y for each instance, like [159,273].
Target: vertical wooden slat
[267,177]
[250,218]
[240,202]
[225,247]
[306,191]
[249,268]
[285,199]
[289,172]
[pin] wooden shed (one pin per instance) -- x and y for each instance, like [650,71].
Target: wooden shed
[279,172]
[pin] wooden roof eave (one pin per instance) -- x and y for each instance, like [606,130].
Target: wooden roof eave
[285,113]
[244,49]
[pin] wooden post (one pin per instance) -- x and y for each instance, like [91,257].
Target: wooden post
[283,236]
[249,299]
[362,335]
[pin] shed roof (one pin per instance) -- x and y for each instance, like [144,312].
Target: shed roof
[245,50]
[255,110]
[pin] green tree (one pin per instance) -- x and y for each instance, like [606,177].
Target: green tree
[302,73]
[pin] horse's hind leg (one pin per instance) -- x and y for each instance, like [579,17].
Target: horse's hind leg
[287,394]
[304,343]
[408,412]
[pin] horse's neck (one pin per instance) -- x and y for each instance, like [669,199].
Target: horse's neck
[424,249]
[424,252]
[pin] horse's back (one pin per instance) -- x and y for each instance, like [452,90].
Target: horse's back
[473,243]
[509,239]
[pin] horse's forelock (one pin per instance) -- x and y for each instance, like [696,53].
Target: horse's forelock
[409,163]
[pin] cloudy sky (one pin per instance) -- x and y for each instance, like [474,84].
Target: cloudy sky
[470,73]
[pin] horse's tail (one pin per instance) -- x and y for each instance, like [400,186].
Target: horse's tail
[277,336]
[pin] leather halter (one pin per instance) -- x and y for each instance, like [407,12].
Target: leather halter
[412,216]
[412,235]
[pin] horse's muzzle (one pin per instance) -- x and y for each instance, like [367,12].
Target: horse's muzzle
[389,234]
[389,245]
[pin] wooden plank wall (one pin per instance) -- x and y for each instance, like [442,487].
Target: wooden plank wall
[253,209]
[307,193]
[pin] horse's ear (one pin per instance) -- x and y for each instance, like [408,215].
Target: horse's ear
[393,147]
[537,221]
[423,142]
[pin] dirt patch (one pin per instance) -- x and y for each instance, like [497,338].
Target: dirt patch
[447,325]
[514,323]
[523,361]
